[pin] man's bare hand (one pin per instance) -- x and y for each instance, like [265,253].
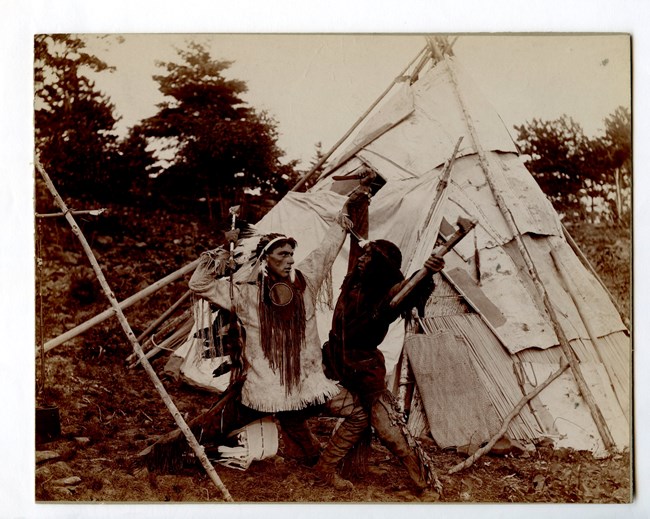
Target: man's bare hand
[434,263]
[344,221]
[367,175]
[363,190]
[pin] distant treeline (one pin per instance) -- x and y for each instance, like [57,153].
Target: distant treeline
[206,150]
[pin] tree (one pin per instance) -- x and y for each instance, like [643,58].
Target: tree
[74,122]
[618,145]
[578,174]
[131,166]
[559,155]
[221,149]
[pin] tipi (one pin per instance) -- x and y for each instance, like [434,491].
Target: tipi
[514,302]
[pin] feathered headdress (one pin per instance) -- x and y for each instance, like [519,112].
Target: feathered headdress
[264,246]
[218,260]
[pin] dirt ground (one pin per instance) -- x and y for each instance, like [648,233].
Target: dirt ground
[108,412]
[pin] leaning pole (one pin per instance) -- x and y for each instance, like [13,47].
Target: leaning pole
[196,447]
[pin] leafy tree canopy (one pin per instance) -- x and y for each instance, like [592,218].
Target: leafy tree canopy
[618,137]
[618,145]
[558,153]
[220,148]
[74,122]
[581,175]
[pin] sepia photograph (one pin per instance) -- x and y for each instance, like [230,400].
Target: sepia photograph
[333,268]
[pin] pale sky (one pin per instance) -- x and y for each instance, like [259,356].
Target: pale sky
[316,86]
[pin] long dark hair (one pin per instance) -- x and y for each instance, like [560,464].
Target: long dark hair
[282,328]
[380,274]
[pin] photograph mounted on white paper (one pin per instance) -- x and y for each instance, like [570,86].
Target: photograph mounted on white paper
[333,268]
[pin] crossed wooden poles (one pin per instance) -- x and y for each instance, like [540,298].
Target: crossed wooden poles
[569,360]
[117,310]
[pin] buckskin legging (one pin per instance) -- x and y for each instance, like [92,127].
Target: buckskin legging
[344,405]
[383,418]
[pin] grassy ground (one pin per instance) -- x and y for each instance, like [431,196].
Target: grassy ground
[109,412]
[609,251]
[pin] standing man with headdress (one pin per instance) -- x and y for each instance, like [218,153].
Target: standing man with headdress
[360,323]
[276,304]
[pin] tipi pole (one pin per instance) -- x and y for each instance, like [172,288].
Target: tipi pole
[596,414]
[418,68]
[196,447]
[182,331]
[313,170]
[585,261]
[576,301]
[93,212]
[155,324]
[441,190]
[110,312]
[506,421]
[370,138]
[582,312]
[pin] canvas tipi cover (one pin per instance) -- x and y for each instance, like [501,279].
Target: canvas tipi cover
[507,335]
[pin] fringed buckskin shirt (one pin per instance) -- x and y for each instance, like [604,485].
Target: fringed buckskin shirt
[262,388]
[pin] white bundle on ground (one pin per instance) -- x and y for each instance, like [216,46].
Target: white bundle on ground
[256,441]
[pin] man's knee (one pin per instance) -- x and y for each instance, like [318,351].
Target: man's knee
[358,419]
[346,404]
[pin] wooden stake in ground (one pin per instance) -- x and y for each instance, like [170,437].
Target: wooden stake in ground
[196,447]
[506,422]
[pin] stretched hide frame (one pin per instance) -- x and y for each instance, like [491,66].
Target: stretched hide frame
[456,405]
